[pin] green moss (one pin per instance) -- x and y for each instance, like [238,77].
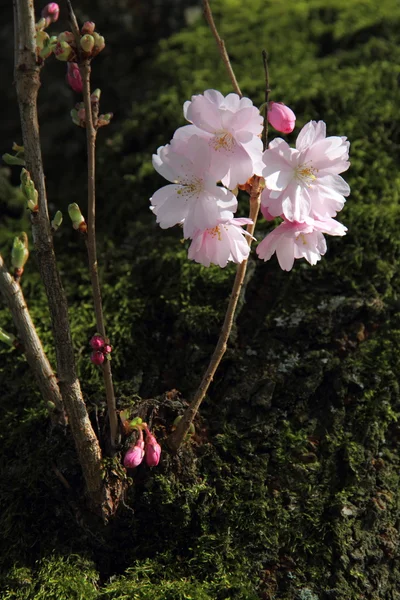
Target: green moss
[289,488]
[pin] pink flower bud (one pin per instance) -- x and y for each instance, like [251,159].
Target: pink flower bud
[51,12]
[74,78]
[97,342]
[88,27]
[135,454]
[281,117]
[97,357]
[152,450]
[107,349]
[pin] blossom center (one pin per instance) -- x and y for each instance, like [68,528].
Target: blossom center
[223,140]
[215,232]
[190,188]
[306,174]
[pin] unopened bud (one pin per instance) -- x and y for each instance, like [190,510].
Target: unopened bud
[97,342]
[99,43]
[107,349]
[41,24]
[66,36]
[88,27]
[152,450]
[42,40]
[74,116]
[74,78]
[57,220]
[95,96]
[51,12]
[97,357]
[63,51]
[19,254]
[8,338]
[104,120]
[87,43]
[46,51]
[29,191]
[78,220]
[281,117]
[135,454]
[17,148]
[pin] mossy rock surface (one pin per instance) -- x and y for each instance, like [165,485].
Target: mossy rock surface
[290,488]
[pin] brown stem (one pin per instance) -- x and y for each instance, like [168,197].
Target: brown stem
[91,114]
[91,247]
[176,438]
[33,349]
[27,70]
[221,46]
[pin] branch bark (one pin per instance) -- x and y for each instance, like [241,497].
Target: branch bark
[33,349]
[27,79]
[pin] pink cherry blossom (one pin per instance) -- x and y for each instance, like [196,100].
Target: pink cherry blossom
[305,181]
[223,243]
[231,125]
[193,199]
[292,239]
[281,117]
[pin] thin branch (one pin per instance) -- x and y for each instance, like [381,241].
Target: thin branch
[177,437]
[27,78]
[33,349]
[221,46]
[91,130]
[267,92]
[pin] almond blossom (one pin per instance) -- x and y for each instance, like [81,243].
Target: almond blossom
[193,199]
[223,243]
[305,181]
[231,125]
[292,239]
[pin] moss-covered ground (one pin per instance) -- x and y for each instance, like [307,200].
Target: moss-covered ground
[290,488]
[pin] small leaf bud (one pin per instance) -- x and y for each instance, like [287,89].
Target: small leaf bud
[87,43]
[57,220]
[88,27]
[42,40]
[41,24]
[95,96]
[8,338]
[9,159]
[104,120]
[19,254]
[29,191]
[75,118]
[66,36]
[78,220]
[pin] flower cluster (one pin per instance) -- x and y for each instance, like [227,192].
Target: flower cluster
[304,188]
[101,349]
[150,450]
[222,144]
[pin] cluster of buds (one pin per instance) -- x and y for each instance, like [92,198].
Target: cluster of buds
[29,191]
[91,44]
[45,44]
[101,350]
[148,449]
[77,218]
[78,114]
[19,255]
